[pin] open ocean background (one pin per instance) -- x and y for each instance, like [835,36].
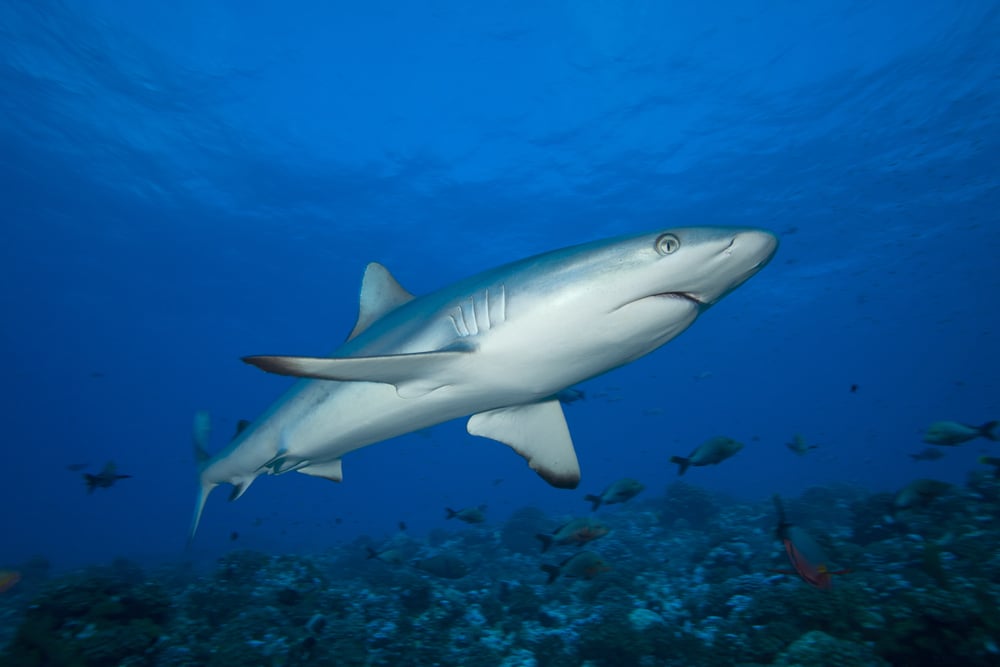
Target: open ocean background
[185,183]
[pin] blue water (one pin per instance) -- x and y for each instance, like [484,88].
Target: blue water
[188,184]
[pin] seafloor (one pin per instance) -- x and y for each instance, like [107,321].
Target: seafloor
[694,580]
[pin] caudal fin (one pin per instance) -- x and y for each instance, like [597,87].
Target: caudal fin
[450,513]
[681,461]
[199,507]
[552,571]
[594,500]
[546,541]
[199,434]
[989,430]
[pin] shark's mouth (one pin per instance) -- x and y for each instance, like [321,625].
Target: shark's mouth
[682,295]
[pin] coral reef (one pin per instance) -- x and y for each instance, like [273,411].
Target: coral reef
[695,579]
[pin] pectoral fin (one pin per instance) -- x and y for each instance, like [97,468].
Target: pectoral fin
[330,470]
[538,432]
[412,374]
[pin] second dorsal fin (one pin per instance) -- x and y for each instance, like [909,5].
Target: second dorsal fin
[380,294]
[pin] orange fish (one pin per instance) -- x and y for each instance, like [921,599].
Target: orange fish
[584,565]
[805,555]
[577,531]
[8,579]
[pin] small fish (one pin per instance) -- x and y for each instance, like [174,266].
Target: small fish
[928,454]
[570,395]
[577,531]
[799,446]
[992,461]
[584,565]
[621,491]
[468,515]
[443,565]
[104,479]
[402,525]
[919,493]
[854,388]
[391,555]
[233,536]
[806,556]
[77,467]
[711,452]
[950,434]
[8,579]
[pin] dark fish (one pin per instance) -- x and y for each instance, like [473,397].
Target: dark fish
[919,493]
[805,555]
[468,515]
[854,388]
[992,461]
[391,555]
[402,525]
[928,454]
[233,536]
[584,565]
[443,565]
[621,491]
[77,467]
[950,434]
[577,531]
[799,446]
[104,479]
[711,452]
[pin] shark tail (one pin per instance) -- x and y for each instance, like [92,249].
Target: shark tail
[683,462]
[200,432]
[199,507]
[595,501]
[989,430]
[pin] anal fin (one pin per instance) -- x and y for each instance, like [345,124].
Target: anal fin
[538,432]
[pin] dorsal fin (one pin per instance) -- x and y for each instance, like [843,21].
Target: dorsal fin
[380,293]
[241,426]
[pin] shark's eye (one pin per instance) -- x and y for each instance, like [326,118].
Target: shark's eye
[667,243]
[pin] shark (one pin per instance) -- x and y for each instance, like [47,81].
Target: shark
[497,347]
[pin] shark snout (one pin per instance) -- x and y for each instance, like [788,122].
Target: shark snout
[737,256]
